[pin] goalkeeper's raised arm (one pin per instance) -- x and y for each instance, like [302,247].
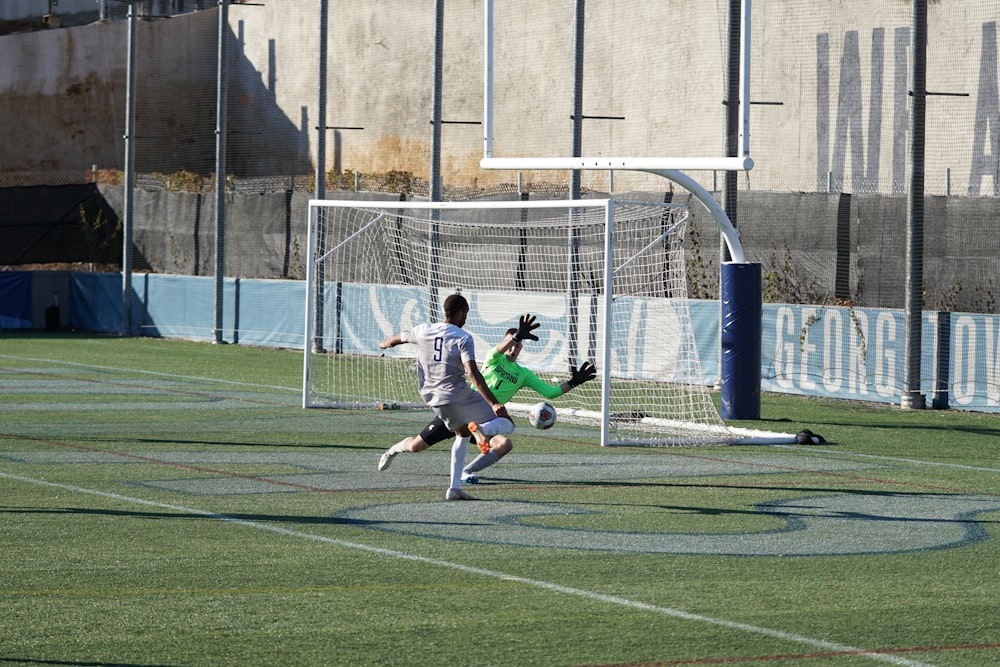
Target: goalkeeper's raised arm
[505,376]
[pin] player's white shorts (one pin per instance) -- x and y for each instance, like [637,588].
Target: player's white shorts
[472,408]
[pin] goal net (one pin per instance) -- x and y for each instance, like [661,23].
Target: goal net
[605,278]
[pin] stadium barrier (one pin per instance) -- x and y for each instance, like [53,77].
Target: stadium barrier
[824,351]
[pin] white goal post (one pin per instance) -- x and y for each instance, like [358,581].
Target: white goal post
[605,278]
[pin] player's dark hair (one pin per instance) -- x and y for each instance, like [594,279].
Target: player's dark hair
[455,303]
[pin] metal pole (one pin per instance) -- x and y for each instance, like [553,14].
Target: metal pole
[575,184]
[435,167]
[734,135]
[913,310]
[435,177]
[320,216]
[605,362]
[744,76]
[488,80]
[129,203]
[220,169]
[575,187]
[734,107]
[321,103]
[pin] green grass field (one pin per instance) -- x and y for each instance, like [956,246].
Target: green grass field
[168,503]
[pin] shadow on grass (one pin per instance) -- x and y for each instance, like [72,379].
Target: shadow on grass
[262,445]
[128,514]
[74,663]
[812,490]
[36,334]
[249,518]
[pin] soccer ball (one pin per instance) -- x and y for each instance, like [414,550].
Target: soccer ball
[542,415]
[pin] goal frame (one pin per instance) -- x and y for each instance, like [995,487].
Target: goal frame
[710,434]
[605,204]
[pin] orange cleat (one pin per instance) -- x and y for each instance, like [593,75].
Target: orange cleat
[481,440]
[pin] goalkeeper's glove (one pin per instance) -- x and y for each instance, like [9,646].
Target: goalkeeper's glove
[525,326]
[585,373]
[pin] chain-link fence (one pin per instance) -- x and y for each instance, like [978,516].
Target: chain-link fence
[825,209]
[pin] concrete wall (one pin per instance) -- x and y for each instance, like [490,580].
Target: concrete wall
[836,73]
[840,132]
[63,92]
[62,95]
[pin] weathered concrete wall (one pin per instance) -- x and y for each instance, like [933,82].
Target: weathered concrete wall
[62,94]
[837,73]
[57,99]
[62,98]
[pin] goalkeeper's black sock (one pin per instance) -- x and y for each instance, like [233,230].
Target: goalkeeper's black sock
[480,462]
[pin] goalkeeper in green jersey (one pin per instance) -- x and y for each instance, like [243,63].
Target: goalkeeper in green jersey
[504,377]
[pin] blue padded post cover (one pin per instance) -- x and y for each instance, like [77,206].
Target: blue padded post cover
[741,320]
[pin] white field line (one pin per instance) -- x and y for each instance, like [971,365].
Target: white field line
[154,373]
[299,389]
[590,595]
[886,458]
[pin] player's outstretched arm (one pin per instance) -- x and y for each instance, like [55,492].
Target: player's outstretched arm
[585,373]
[578,376]
[525,328]
[391,341]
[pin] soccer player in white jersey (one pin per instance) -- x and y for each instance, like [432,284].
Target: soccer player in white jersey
[445,354]
[505,376]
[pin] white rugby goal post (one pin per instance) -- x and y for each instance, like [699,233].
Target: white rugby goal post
[605,278]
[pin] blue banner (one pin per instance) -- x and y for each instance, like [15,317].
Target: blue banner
[15,300]
[828,351]
[858,354]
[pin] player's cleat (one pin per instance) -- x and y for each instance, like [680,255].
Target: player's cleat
[470,479]
[385,460]
[457,494]
[481,440]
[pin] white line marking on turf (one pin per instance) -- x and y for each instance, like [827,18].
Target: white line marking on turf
[590,595]
[156,373]
[888,458]
[298,389]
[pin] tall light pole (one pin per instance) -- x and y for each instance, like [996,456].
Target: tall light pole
[129,201]
[913,308]
[220,170]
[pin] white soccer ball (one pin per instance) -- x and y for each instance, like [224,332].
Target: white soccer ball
[542,415]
